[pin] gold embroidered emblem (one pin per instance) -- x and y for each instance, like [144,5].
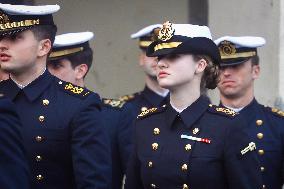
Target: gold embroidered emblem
[3,18]
[155,34]
[277,111]
[151,110]
[73,89]
[167,32]
[114,102]
[6,24]
[226,111]
[126,97]
[227,48]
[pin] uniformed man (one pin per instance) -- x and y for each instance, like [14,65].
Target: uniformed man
[63,132]
[14,170]
[70,60]
[152,95]
[239,69]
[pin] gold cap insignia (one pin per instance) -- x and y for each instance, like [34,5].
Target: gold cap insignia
[5,22]
[3,18]
[167,32]
[227,48]
[155,34]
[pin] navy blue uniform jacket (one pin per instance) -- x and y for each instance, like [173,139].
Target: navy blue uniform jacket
[14,170]
[119,122]
[67,145]
[266,129]
[200,148]
[145,99]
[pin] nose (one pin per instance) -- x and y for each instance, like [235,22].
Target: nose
[162,63]
[226,71]
[3,44]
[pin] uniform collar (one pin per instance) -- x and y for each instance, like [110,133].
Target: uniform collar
[154,98]
[190,115]
[250,111]
[33,90]
[10,88]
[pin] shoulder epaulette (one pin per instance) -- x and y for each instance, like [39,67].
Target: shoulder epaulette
[150,111]
[275,111]
[114,102]
[222,111]
[74,89]
[127,98]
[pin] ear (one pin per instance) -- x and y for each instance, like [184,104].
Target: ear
[200,66]
[44,47]
[255,71]
[80,71]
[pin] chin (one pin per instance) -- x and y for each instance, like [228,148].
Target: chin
[229,93]
[7,68]
[165,84]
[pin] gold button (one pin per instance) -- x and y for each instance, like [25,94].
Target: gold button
[210,105]
[153,185]
[150,164]
[39,177]
[184,186]
[38,158]
[259,122]
[262,169]
[143,109]
[156,131]
[187,147]
[274,109]
[195,131]
[259,135]
[261,152]
[184,167]
[281,113]
[155,146]
[45,102]
[39,138]
[41,118]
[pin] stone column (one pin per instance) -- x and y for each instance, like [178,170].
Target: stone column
[279,103]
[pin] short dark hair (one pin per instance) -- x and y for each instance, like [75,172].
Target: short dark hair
[255,60]
[210,76]
[44,32]
[83,57]
[76,59]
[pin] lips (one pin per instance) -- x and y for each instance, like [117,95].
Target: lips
[4,57]
[163,74]
[228,82]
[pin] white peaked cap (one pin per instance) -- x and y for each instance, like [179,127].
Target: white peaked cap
[70,39]
[145,31]
[29,10]
[189,30]
[243,41]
